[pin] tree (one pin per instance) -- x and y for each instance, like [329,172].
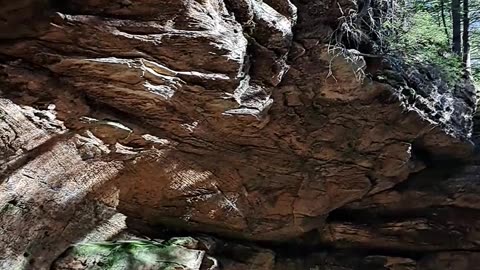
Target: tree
[475,53]
[430,30]
[465,38]
[444,21]
[456,28]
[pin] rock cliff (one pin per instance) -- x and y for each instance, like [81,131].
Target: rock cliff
[243,119]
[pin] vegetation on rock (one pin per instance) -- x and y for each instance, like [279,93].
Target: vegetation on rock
[438,33]
[128,255]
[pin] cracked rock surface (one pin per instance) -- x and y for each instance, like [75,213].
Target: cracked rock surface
[235,118]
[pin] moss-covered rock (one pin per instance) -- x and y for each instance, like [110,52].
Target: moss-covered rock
[127,255]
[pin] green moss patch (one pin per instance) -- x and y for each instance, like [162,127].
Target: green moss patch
[135,255]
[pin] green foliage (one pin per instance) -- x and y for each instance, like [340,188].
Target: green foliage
[422,41]
[476,78]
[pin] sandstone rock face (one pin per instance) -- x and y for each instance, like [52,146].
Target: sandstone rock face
[196,254]
[231,117]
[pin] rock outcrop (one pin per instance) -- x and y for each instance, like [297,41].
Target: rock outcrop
[211,254]
[237,118]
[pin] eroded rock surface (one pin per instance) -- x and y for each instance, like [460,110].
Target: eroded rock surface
[231,117]
[198,254]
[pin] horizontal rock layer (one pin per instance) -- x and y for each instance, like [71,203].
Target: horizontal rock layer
[231,117]
[203,253]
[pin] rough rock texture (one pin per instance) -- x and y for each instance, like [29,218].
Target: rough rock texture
[435,210]
[229,117]
[204,253]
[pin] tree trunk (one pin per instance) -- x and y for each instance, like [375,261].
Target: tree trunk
[465,38]
[456,27]
[444,21]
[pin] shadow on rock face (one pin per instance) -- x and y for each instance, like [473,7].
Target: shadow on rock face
[25,18]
